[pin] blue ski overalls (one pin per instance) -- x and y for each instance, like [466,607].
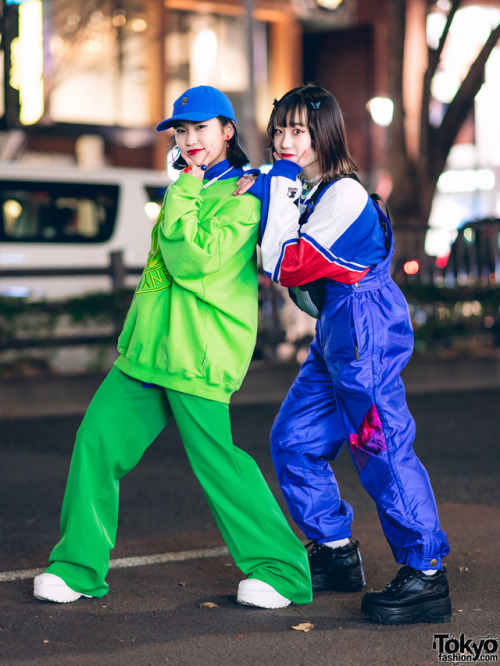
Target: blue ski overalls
[349,389]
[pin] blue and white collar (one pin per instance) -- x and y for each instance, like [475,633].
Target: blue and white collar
[218,171]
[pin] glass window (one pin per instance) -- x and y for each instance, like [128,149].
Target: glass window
[211,49]
[155,193]
[57,212]
[98,67]
[155,196]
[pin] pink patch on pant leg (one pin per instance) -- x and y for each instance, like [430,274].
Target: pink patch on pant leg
[370,440]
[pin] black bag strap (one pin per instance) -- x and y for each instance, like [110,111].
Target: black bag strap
[383,223]
[380,200]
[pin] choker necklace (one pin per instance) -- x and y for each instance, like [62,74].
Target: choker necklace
[312,180]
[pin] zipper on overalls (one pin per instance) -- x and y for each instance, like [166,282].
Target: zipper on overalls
[356,350]
[353,333]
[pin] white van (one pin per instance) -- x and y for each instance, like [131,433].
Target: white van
[68,218]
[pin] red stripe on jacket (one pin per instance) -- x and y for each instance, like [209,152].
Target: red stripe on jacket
[302,263]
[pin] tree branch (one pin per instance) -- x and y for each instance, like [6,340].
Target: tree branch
[434,57]
[439,51]
[461,104]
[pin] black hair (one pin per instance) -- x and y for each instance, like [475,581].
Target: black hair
[325,122]
[236,153]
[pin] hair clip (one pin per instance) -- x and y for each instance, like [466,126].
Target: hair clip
[315,105]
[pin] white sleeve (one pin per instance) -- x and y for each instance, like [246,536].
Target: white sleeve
[282,225]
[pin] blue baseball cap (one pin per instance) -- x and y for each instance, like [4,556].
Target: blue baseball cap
[200,103]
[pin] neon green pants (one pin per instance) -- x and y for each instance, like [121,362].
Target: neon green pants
[122,420]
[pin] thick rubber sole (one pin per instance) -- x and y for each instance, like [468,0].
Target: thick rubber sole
[343,580]
[48,587]
[252,592]
[432,612]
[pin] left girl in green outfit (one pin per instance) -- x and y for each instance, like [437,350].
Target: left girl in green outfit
[185,347]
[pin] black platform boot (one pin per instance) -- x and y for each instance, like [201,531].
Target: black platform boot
[337,569]
[411,597]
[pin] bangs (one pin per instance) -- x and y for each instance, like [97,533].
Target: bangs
[284,115]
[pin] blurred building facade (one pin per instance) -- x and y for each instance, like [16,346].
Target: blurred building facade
[90,80]
[87,82]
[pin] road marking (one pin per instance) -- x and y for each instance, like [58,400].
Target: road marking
[127,562]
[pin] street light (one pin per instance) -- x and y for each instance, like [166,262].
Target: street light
[381,110]
[331,5]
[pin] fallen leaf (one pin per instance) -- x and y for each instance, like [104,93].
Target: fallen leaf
[463,569]
[182,584]
[46,641]
[239,636]
[303,626]
[207,604]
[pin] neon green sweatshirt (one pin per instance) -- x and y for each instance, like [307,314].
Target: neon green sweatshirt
[192,323]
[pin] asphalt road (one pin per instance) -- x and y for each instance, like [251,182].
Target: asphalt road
[152,614]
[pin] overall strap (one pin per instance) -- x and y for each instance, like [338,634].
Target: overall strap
[311,202]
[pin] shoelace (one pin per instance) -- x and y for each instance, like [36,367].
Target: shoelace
[403,576]
[316,547]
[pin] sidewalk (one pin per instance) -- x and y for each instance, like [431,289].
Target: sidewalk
[265,382]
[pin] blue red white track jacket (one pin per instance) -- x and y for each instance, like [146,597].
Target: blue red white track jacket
[341,239]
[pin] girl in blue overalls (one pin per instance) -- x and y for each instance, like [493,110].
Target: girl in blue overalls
[349,388]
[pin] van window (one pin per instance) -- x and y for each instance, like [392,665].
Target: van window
[155,195]
[156,192]
[57,212]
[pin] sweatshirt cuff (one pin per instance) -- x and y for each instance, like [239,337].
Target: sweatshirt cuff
[188,183]
[286,168]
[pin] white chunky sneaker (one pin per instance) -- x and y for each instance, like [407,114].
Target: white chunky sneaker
[49,587]
[253,592]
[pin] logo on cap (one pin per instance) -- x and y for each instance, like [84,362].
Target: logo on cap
[184,101]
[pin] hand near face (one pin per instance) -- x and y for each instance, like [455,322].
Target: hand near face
[192,168]
[304,158]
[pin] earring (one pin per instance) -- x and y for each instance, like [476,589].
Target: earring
[176,153]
